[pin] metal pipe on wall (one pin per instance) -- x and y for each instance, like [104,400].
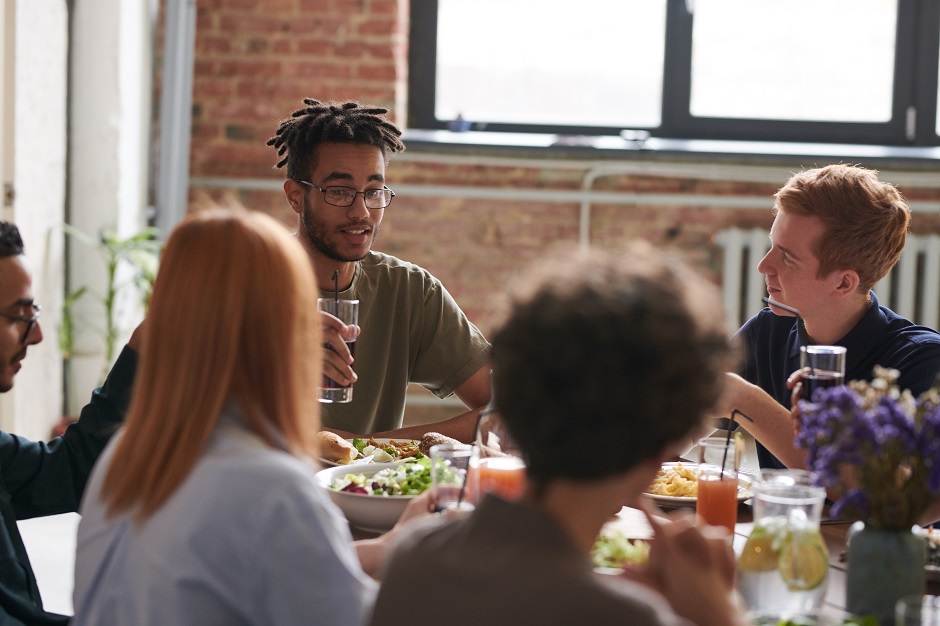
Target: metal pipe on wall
[176,99]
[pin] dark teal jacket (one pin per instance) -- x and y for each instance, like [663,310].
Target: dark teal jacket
[38,479]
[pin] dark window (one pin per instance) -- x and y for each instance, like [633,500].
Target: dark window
[852,71]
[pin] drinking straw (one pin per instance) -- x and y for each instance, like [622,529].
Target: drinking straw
[483,413]
[724,457]
[781,306]
[336,289]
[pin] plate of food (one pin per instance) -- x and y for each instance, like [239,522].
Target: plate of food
[334,450]
[676,486]
[373,496]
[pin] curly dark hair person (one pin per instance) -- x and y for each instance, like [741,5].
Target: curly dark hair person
[298,136]
[11,243]
[607,359]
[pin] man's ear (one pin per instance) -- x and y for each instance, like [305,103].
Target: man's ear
[848,282]
[294,192]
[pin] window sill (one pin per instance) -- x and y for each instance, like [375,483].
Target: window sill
[655,148]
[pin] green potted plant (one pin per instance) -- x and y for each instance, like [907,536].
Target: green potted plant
[139,253]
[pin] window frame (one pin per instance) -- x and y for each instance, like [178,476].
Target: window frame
[915,85]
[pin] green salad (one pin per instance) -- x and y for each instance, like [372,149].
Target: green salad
[613,549]
[408,479]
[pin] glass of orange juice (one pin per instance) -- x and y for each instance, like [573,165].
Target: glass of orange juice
[501,475]
[717,483]
[497,467]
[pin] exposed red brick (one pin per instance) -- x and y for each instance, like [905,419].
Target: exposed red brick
[375,72]
[239,23]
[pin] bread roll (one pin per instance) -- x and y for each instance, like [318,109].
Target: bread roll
[334,448]
[433,439]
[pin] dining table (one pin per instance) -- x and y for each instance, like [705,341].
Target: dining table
[631,522]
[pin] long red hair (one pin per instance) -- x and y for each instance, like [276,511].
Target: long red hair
[233,316]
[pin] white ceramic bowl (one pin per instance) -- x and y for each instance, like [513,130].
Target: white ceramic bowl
[370,513]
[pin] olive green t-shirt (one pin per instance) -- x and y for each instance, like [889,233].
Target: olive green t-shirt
[412,331]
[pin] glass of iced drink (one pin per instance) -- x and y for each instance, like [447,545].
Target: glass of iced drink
[498,467]
[717,473]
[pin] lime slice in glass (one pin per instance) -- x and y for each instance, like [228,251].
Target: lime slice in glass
[804,561]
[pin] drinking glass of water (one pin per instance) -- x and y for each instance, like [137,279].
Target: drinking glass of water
[347,311]
[450,464]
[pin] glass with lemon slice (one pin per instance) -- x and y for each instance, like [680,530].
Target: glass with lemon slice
[783,567]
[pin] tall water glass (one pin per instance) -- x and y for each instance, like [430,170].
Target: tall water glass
[450,466]
[784,566]
[347,311]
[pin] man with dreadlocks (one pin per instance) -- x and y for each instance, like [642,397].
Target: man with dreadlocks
[38,478]
[412,330]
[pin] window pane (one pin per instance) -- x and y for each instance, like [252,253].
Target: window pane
[824,60]
[515,61]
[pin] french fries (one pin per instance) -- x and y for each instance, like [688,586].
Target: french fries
[397,449]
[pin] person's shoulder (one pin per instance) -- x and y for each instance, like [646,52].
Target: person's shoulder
[387,269]
[243,458]
[263,489]
[899,325]
[381,262]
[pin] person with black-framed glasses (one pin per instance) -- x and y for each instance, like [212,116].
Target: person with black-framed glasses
[43,478]
[30,318]
[412,330]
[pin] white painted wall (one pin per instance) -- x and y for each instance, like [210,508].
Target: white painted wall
[7,94]
[110,109]
[39,112]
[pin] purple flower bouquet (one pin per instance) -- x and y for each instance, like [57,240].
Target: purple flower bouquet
[876,447]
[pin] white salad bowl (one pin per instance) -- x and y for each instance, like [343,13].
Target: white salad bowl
[368,512]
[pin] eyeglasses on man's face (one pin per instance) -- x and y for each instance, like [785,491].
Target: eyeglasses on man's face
[345,196]
[30,321]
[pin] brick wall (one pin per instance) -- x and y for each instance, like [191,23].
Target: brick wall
[256,60]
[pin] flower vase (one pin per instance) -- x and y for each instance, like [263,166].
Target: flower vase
[883,566]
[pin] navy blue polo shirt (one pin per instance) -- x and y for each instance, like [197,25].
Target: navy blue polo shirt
[882,337]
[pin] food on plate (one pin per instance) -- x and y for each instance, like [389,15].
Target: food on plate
[408,479]
[434,439]
[334,448]
[675,480]
[387,451]
[613,549]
